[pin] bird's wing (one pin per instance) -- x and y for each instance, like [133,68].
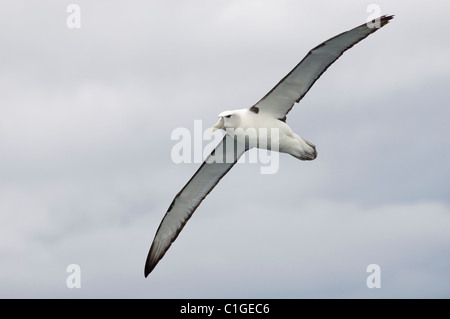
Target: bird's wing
[215,166]
[279,101]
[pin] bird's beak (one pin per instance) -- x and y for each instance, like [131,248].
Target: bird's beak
[218,125]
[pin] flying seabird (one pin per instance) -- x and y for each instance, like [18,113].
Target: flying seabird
[269,113]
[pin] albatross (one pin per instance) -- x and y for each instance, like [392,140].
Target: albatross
[269,113]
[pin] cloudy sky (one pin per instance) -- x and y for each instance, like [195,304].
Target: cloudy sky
[86,174]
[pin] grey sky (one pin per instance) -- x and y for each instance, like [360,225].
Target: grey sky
[86,175]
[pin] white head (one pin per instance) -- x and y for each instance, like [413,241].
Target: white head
[228,119]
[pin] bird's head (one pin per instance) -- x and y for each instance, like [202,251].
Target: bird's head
[227,119]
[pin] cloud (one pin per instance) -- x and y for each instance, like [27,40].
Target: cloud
[319,249]
[85,122]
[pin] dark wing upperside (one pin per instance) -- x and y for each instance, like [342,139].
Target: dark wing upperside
[291,89]
[216,165]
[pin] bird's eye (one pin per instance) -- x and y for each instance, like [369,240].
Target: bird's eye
[228,116]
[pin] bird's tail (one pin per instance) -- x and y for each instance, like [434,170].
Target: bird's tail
[306,150]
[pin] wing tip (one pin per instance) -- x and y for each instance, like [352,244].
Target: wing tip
[152,260]
[148,269]
[384,19]
[379,22]
[150,264]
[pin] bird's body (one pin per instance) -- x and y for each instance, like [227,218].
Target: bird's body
[268,133]
[264,126]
